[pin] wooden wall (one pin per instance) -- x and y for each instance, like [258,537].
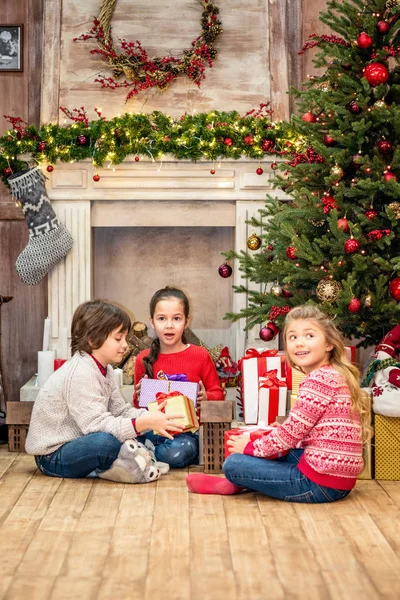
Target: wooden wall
[245,47]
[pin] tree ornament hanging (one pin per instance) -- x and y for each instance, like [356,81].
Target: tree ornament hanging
[228,141]
[337,172]
[384,147]
[368,300]
[225,271]
[132,62]
[383,27]
[276,290]
[259,171]
[364,40]
[343,224]
[389,176]
[268,146]
[212,171]
[291,252]
[249,140]
[309,117]
[354,306]
[376,74]
[96,177]
[41,146]
[7,171]
[82,140]
[354,108]
[137,159]
[329,140]
[268,332]
[254,242]
[394,288]
[286,293]
[351,246]
[328,290]
[395,207]
[49,168]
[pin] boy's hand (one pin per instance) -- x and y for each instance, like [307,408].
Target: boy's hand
[159,422]
[237,443]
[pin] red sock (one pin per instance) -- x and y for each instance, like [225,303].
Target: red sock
[200,483]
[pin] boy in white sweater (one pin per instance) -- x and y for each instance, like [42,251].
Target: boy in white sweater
[80,420]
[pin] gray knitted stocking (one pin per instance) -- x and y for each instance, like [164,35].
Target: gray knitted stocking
[49,240]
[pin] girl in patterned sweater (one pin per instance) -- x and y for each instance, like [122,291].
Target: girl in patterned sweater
[321,439]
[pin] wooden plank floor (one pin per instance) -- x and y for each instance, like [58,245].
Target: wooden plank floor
[96,540]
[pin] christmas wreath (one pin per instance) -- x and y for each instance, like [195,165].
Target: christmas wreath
[133,62]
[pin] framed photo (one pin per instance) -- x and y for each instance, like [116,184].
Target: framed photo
[11,45]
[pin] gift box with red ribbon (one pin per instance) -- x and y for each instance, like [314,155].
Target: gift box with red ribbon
[252,431]
[252,366]
[178,404]
[151,387]
[272,398]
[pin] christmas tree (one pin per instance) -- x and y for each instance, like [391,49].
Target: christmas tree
[336,242]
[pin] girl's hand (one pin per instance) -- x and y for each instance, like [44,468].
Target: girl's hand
[201,394]
[138,386]
[238,443]
[159,422]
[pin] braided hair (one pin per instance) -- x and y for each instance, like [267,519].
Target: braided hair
[166,293]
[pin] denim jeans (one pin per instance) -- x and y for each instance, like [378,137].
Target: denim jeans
[278,478]
[76,459]
[180,452]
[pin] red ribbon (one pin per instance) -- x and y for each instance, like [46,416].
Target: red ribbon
[271,380]
[161,396]
[253,353]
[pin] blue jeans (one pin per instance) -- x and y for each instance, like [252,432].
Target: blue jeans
[278,478]
[180,452]
[76,459]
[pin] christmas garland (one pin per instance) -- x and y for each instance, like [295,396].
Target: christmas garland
[207,136]
[133,62]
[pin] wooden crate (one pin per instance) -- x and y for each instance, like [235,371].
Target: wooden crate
[216,417]
[18,419]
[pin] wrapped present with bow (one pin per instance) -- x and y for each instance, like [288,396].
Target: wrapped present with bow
[165,384]
[177,404]
[272,398]
[253,432]
[252,366]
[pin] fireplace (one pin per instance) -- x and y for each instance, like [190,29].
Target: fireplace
[145,225]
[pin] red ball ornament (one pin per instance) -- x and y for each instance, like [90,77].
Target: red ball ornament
[41,146]
[212,171]
[268,332]
[225,271]
[268,145]
[7,171]
[394,288]
[329,140]
[383,27]
[384,146]
[274,165]
[249,140]
[50,168]
[82,140]
[96,177]
[351,246]
[291,252]
[308,117]
[259,171]
[286,293]
[228,141]
[354,108]
[357,159]
[371,214]
[354,305]
[364,40]
[376,73]
[137,159]
[389,176]
[343,224]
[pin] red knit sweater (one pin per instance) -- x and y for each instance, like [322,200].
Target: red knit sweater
[320,422]
[194,361]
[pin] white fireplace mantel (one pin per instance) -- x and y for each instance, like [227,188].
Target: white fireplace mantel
[148,194]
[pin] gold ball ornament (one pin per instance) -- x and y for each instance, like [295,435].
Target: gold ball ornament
[276,290]
[368,301]
[337,172]
[380,104]
[328,290]
[254,242]
[395,207]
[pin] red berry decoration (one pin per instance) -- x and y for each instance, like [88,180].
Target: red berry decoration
[268,145]
[259,171]
[212,171]
[225,271]
[376,73]
[268,332]
[228,141]
[291,252]
[383,27]
[371,214]
[343,224]
[308,117]
[7,171]
[364,40]
[96,177]
[50,168]
[41,146]
[394,288]
[329,140]
[354,108]
[389,176]
[354,305]
[351,246]
[249,140]
[137,159]
[384,146]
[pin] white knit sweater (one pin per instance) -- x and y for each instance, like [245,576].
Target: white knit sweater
[76,400]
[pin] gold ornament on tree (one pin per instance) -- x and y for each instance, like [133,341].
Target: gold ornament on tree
[395,207]
[254,242]
[337,172]
[328,290]
[276,290]
[368,300]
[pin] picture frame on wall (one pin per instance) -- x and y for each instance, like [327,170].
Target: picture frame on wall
[11,45]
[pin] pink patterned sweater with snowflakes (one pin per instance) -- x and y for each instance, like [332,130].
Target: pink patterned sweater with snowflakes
[321,422]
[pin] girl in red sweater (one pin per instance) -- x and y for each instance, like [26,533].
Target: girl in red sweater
[321,439]
[169,353]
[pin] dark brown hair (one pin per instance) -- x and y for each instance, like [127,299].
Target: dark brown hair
[166,293]
[93,322]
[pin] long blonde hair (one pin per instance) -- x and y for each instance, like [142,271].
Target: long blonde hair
[360,400]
